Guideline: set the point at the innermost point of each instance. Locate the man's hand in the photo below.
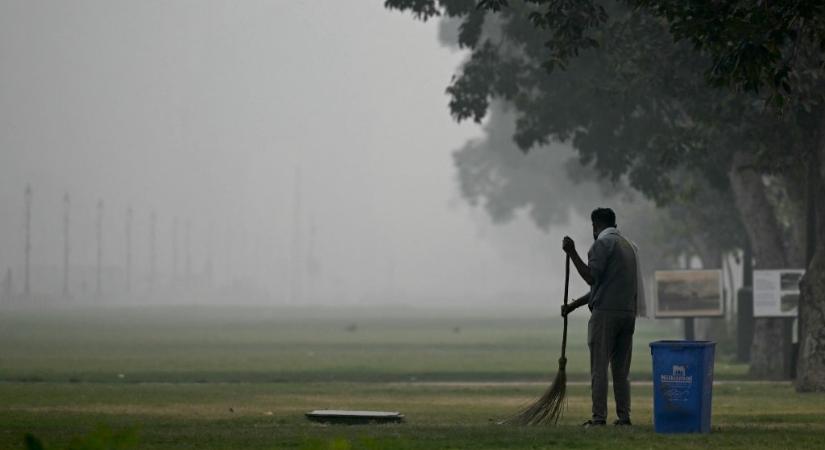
(572, 306)
(568, 245)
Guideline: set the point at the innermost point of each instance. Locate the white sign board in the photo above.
(689, 293)
(776, 292)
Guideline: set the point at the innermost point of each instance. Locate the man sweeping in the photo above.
(616, 297)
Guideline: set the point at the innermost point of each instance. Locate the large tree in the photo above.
(775, 48)
(627, 114)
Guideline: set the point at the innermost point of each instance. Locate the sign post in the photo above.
(689, 294)
(776, 294)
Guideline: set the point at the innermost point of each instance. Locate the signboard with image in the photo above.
(776, 292)
(689, 293)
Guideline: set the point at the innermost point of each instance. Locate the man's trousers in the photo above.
(610, 338)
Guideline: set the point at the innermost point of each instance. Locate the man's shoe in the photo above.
(622, 423)
(593, 424)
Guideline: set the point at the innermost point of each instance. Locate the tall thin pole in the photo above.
(174, 251)
(99, 235)
(8, 289)
(129, 249)
(209, 250)
(296, 266)
(188, 256)
(312, 266)
(229, 269)
(67, 206)
(152, 250)
(28, 244)
(310, 244)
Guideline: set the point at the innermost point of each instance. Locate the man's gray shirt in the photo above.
(612, 262)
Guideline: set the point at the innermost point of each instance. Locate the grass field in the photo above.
(209, 377)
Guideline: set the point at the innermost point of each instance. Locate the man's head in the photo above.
(602, 218)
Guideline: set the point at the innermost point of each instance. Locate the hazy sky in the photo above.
(222, 113)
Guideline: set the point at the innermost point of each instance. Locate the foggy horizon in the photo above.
(312, 162)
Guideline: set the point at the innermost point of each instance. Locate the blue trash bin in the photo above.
(682, 385)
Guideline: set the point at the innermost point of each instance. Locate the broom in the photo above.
(548, 408)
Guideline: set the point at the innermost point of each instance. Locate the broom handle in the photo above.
(566, 288)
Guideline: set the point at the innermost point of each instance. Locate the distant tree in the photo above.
(550, 184)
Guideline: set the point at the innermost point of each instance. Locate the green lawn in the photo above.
(211, 378)
(278, 345)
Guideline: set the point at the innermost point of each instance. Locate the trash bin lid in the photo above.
(681, 344)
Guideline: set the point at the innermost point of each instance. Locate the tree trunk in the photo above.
(810, 374)
(795, 183)
(768, 359)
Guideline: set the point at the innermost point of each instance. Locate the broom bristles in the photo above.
(549, 407)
